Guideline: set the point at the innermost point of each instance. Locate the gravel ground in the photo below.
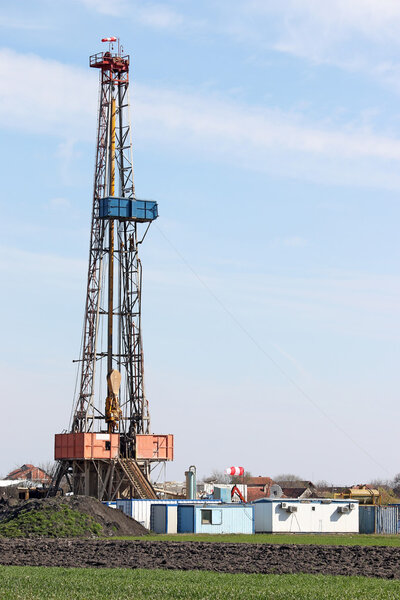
(371, 561)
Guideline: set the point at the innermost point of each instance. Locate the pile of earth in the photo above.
(68, 516)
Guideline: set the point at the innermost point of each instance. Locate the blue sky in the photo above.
(269, 134)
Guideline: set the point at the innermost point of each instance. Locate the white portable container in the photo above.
(306, 516)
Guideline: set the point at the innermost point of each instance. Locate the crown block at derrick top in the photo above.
(86, 445)
(109, 61)
(142, 211)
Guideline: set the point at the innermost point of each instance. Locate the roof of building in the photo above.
(21, 472)
(296, 484)
(292, 492)
(254, 494)
(332, 489)
(252, 481)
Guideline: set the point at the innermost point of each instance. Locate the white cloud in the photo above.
(53, 270)
(290, 241)
(295, 241)
(360, 35)
(345, 301)
(45, 96)
(113, 8)
(27, 24)
(59, 204)
(267, 140)
(158, 16)
(149, 14)
(308, 25)
(229, 122)
(357, 36)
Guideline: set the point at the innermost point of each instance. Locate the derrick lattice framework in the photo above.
(109, 450)
(113, 251)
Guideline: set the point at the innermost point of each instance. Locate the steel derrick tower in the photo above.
(109, 449)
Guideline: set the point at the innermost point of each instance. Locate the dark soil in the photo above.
(371, 561)
(112, 521)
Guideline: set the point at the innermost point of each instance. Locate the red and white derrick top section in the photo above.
(109, 61)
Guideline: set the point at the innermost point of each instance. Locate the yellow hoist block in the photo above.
(113, 411)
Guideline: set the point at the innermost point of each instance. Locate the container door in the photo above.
(158, 520)
(172, 519)
(185, 519)
(366, 517)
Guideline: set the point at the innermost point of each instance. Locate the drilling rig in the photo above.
(108, 451)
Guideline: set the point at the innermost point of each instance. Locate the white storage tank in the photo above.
(306, 516)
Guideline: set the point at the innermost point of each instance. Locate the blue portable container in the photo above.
(216, 518)
(224, 518)
(222, 493)
(113, 207)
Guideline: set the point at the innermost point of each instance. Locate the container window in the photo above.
(108, 445)
(211, 517)
(206, 517)
(217, 517)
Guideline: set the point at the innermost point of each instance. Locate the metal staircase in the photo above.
(137, 479)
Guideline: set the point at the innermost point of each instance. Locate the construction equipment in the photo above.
(235, 490)
(109, 451)
(365, 494)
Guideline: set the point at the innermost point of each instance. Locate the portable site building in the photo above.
(212, 518)
(140, 510)
(306, 516)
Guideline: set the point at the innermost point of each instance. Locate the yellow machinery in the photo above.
(362, 493)
(113, 411)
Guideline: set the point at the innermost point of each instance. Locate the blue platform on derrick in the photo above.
(130, 209)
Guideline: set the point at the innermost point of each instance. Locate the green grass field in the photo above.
(276, 538)
(37, 583)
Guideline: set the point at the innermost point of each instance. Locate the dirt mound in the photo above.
(113, 521)
(72, 516)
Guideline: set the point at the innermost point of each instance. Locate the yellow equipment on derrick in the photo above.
(113, 411)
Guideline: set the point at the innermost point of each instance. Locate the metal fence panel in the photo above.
(386, 519)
